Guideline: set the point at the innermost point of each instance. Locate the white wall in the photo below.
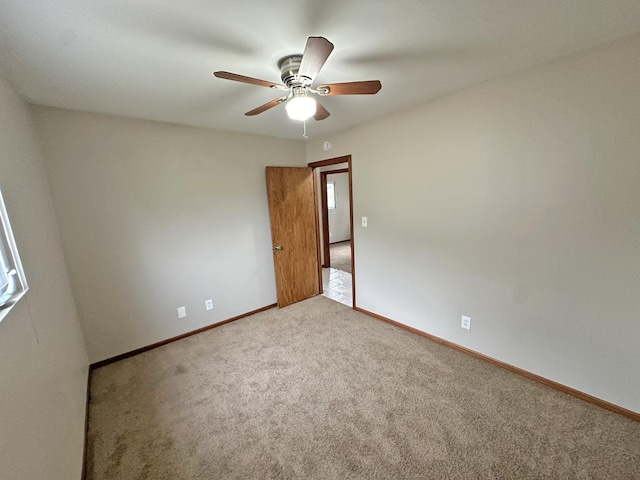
(339, 220)
(155, 216)
(43, 363)
(515, 202)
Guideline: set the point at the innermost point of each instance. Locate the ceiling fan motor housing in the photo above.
(289, 67)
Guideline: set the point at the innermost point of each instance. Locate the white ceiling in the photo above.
(154, 59)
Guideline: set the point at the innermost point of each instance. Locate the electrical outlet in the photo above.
(182, 312)
(208, 304)
(465, 322)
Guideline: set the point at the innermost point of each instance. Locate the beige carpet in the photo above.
(319, 391)
(341, 256)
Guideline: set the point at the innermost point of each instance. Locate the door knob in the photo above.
(278, 247)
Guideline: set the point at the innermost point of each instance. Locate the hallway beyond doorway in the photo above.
(340, 255)
(336, 285)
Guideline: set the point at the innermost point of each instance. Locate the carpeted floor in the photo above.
(319, 391)
(341, 256)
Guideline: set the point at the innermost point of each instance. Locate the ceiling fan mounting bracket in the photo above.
(289, 67)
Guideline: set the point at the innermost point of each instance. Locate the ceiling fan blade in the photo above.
(369, 87)
(321, 112)
(253, 81)
(266, 106)
(315, 54)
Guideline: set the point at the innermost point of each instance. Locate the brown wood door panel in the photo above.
(293, 227)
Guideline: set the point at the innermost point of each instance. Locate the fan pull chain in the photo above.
(304, 129)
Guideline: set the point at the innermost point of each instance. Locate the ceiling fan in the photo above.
(298, 72)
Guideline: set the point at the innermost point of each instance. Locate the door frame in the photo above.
(325, 232)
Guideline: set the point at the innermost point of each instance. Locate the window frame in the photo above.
(14, 284)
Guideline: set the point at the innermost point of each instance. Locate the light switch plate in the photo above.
(364, 221)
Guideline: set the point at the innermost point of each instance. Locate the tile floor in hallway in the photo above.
(337, 285)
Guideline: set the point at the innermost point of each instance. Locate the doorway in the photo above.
(335, 228)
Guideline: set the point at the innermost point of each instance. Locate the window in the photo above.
(331, 195)
(12, 281)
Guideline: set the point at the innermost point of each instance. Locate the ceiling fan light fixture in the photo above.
(301, 107)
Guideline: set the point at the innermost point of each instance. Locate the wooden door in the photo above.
(293, 233)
